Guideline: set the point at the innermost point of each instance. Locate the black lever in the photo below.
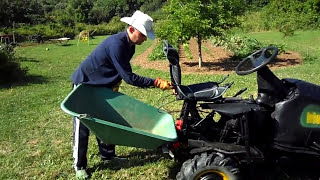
(240, 92)
(229, 84)
(222, 80)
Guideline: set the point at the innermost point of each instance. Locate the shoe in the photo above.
(82, 174)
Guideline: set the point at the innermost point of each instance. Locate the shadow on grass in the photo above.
(25, 59)
(59, 44)
(221, 65)
(136, 159)
(284, 171)
(29, 79)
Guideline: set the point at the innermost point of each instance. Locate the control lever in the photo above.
(222, 80)
(240, 92)
(229, 84)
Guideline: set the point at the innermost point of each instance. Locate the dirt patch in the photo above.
(216, 60)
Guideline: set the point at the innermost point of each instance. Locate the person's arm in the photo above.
(121, 61)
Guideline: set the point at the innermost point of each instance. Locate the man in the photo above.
(106, 66)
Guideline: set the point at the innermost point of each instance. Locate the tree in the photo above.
(151, 5)
(258, 3)
(198, 18)
(103, 10)
(80, 9)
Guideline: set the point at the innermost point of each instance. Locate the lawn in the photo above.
(36, 135)
(305, 42)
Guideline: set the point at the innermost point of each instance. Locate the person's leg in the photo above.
(107, 151)
(80, 144)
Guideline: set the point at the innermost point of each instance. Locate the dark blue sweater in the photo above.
(109, 63)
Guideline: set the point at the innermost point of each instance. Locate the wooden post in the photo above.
(13, 37)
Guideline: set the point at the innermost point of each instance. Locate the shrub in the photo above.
(157, 52)
(10, 70)
(241, 47)
(251, 22)
(289, 15)
(114, 26)
(56, 30)
(187, 50)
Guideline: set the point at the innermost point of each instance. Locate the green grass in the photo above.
(36, 135)
(304, 42)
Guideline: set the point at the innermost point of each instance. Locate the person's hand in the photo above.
(162, 84)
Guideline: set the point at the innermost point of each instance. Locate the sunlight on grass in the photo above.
(304, 42)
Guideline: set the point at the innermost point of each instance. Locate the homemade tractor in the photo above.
(232, 140)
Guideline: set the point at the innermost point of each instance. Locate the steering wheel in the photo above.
(259, 59)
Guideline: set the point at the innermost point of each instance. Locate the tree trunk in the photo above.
(199, 51)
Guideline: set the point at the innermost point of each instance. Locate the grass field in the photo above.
(36, 135)
(305, 42)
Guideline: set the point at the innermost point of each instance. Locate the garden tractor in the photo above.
(215, 137)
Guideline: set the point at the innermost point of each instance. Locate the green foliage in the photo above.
(46, 31)
(70, 12)
(287, 29)
(103, 10)
(79, 10)
(187, 50)
(157, 52)
(251, 22)
(199, 18)
(256, 4)
(10, 70)
(304, 42)
(63, 18)
(150, 6)
(241, 47)
(288, 16)
(55, 30)
(21, 11)
(114, 26)
(284, 16)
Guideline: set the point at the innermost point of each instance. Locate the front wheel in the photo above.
(214, 166)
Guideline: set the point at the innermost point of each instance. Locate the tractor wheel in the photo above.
(213, 166)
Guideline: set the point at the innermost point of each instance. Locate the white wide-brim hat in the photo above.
(142, 22)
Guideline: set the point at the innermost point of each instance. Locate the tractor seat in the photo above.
(200, 92)
(207, 91)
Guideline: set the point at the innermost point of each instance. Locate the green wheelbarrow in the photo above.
(118, 119)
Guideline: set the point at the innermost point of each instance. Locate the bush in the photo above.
(10, 70)
(241, 47)
(157, 52)
(56, 30)
(285, 16)
(289, 15)
(187, 50)
(115, 26)
(251, 22)
(46, 31)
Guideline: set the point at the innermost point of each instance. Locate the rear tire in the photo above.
(214, 166)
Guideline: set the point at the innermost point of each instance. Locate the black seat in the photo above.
(207, 91)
